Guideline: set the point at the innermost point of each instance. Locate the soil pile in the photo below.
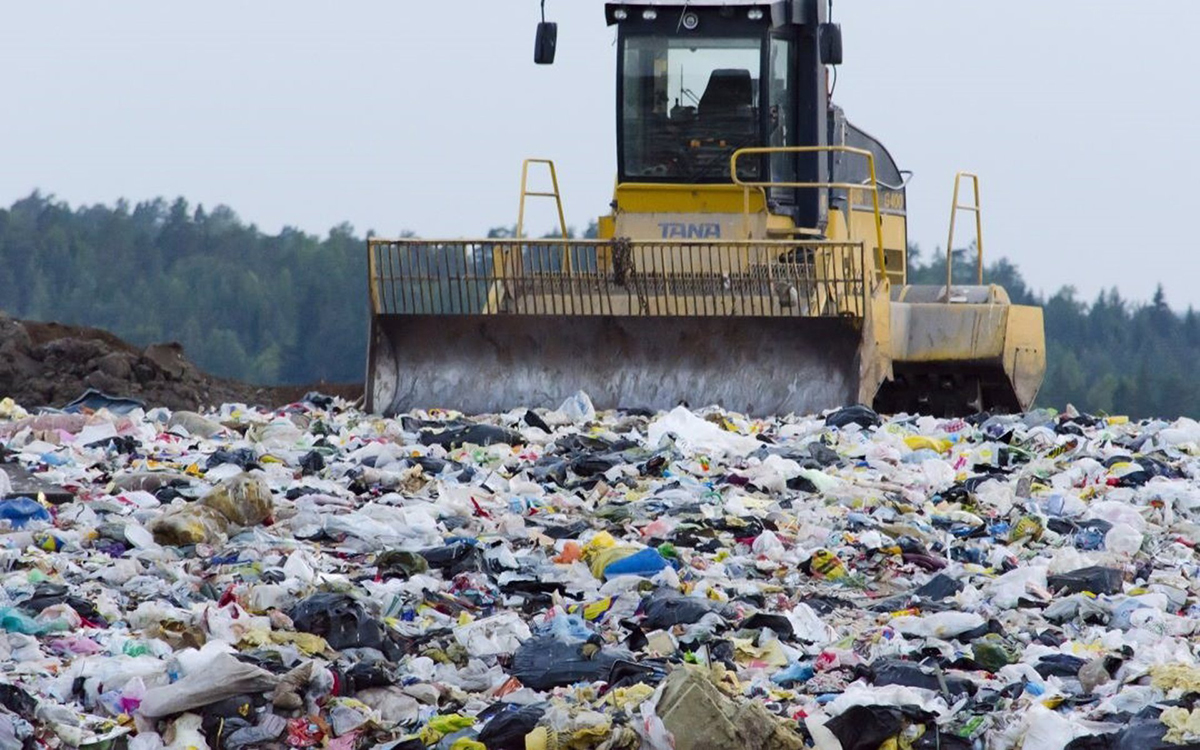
(50, 364)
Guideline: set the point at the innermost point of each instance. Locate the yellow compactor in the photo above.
(755, 256)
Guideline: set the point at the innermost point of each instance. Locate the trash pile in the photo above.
(313, 576)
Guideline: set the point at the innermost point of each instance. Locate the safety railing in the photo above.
(976, 209)
(872, 185)
(771, 278)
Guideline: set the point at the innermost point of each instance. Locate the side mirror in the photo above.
(830, 37)
(546, 44)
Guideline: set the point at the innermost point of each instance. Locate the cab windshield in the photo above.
(688, 104)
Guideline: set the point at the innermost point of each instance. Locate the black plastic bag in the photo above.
(455, 559)
(911, 674)
(781, 625)
(866, 727)
(243, 457)
(666, 608)
(823, 454)
(939, 587)
(49, 594)
(506, 729)
(546, 662)
(476, 434)
(1096, 579)
(1059, 665)
(340, 620)
(533, 420)
(312, 462)
(863, 416)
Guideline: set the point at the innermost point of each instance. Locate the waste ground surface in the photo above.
(312, 576)
(301, 574)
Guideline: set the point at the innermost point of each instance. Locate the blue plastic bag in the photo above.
(645, 563)
(21, 510)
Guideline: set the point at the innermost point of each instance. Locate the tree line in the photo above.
(291, 308)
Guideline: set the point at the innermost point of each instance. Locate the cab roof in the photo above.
(778, 7)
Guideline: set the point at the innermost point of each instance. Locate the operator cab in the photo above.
(697, 81)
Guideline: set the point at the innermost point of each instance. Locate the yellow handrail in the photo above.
(562, 219)
(872, 185)
(977, 209)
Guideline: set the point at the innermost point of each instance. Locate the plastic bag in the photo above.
(340, 620)
(500, 634)
(939, 624)
(188, 525)
(863, 416)
(666, 608)
(1094, 580)
(245, 500)
(269, 727)
(13, 620)
(910, 674)
(545, 662)
(1123, 539)
(644, 563)
(866, 727)
(506, 730)
(578, 408)
(185, 733)
(699, 436)
(195, 424)
(224, 677)
(19, 511)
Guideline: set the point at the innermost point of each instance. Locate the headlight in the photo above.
(691, 21)
(650, 15)
(755, 14)
(620, 14)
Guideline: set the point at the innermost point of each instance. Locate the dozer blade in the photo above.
(491, 363)
(764, 327)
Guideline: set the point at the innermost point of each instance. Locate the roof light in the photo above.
(755, 14)
(650, 15)
(691, 21)
(620, 14)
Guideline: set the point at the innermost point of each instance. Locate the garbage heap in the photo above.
(314, 576)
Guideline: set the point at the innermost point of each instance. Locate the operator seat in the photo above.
(726, 110)
(730, 91)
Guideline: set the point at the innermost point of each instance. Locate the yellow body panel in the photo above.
(862, 228)
(939, 332)
(1025, 351)
(647, 198)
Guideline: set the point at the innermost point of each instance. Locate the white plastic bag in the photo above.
(501, 634)
(699, 436)
(578, 408)
(941, 625)
(1123, 539)
(224, 678)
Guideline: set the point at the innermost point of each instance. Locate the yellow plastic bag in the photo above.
(244, 499)
(194, 524)
(918, 442)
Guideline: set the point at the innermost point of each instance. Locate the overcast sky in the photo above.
(1081, 116)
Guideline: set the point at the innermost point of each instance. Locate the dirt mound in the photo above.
(50, 364)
